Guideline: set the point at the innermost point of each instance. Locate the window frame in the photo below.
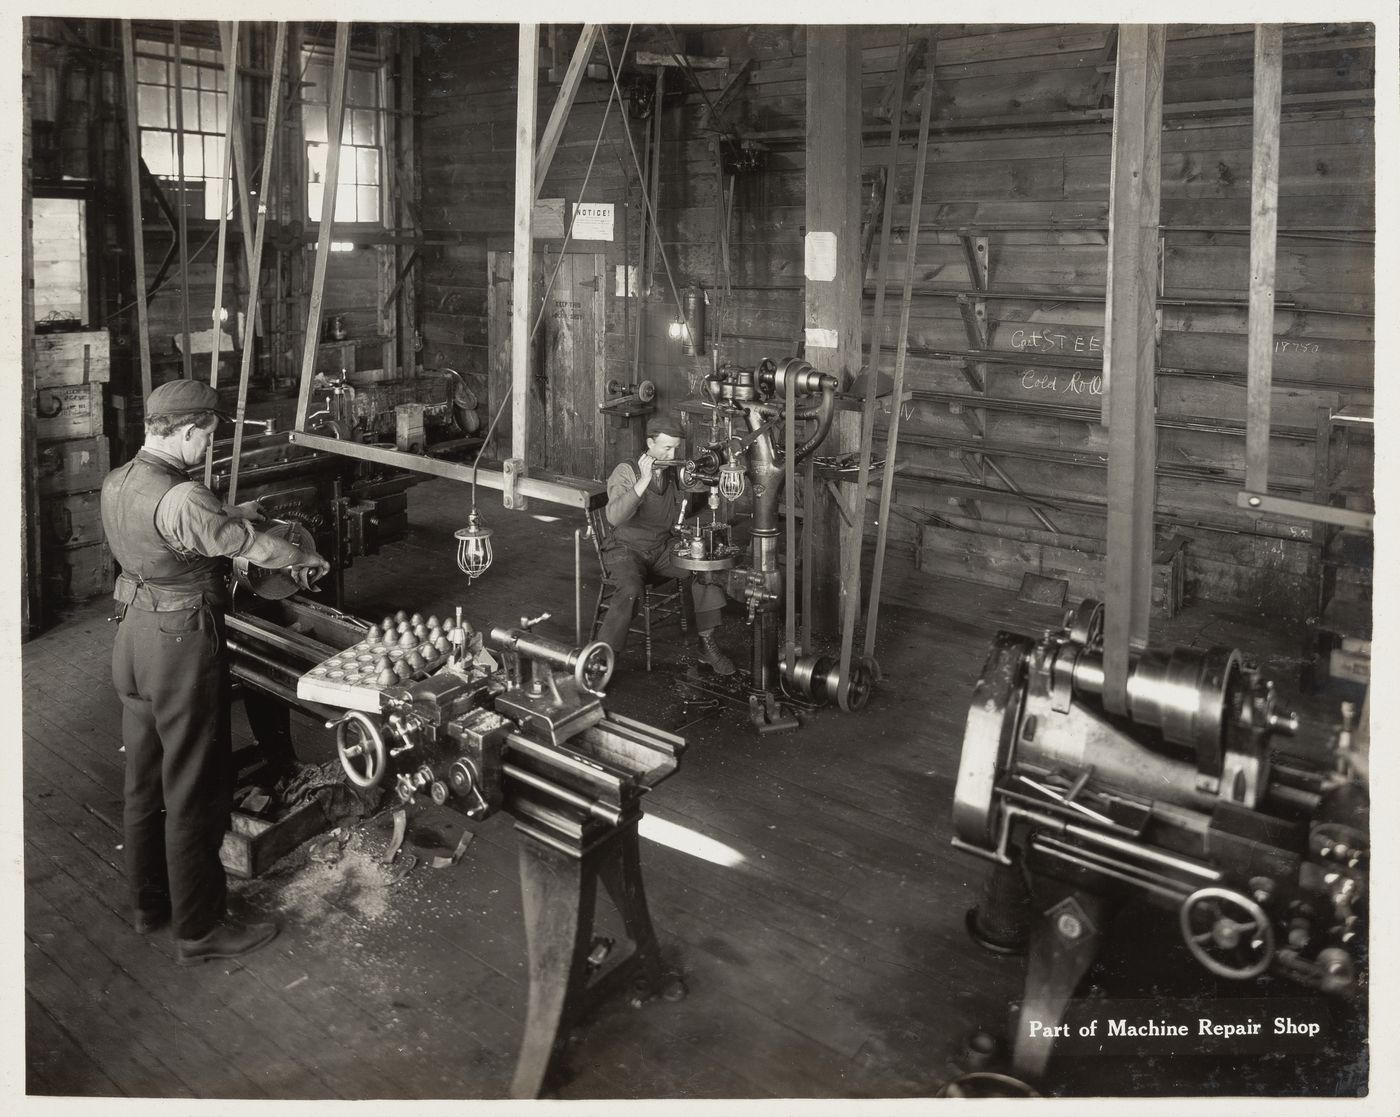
(206, 58)
(356, 116)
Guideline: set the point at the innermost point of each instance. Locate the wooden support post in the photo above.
(274, 101)
(658, 99)
(237, 140)
(138, 233)
(559, 115)
(832, 314)
(292, 200)
(1263, 244)
(182, 219)
(335, 117)
(1130, 350)
(31, 555)
(386, 256)
(526, 103)
(230, 52)
(649, 144)
(406, 306)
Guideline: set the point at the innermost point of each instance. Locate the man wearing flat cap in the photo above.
(644, 503)
(174, 540)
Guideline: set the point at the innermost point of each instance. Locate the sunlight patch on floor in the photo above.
(686, 840)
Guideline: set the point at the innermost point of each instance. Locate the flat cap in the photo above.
(664, 424)
(183, 397)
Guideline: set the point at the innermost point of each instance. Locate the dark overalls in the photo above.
(168, 669)
(640, 548)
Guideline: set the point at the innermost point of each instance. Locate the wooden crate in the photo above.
(77, 573)
(71, 411)
(76, 358)
(408, 428)
(71, 519)
(73, 466)
(251, 844)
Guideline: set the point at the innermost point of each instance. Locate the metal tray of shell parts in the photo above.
(355, 679)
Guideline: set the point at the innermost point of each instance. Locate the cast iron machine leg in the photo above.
(1064, 942)
(559, 886)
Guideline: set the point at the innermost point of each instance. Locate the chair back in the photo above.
(599, 530)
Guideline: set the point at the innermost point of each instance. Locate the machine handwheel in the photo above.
(646, 391)
(858, 686)
(594, 667)
(360, 744)
(1227, 932)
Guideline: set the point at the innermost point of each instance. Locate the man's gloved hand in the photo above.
(249, 510)
(307, 574)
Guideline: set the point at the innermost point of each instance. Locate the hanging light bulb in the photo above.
(731, 480)
(473, 548)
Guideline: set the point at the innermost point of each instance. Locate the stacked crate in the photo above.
(71, 372)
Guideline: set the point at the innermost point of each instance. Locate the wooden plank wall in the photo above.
(1020, 156)
(466, 82)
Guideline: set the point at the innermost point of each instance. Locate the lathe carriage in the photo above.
(510, 720)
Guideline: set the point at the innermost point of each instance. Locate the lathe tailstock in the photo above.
(1188, 801)
(510, 721)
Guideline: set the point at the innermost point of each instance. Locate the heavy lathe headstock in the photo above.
(1188, 802)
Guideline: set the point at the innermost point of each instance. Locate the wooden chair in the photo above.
(662, 598)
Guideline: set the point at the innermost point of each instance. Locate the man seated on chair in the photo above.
(644, 504)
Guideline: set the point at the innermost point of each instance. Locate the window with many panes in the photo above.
(205, 109)
(358, 181)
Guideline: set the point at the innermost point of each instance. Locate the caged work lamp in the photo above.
(473, 547)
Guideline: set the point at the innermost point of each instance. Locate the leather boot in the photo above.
(227, 940)
(710, 653)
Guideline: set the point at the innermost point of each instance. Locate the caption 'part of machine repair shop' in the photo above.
(678, 561)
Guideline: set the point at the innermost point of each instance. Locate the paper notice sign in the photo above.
(593, 221)
(819, 262)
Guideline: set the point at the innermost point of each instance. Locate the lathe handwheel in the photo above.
(1237, 926)
(594, 667)
(363, 758)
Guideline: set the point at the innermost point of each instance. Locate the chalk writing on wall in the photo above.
(1057, 341)
(1054, 341)
(1065, 381)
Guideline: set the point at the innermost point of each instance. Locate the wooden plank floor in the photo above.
(803, 884)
